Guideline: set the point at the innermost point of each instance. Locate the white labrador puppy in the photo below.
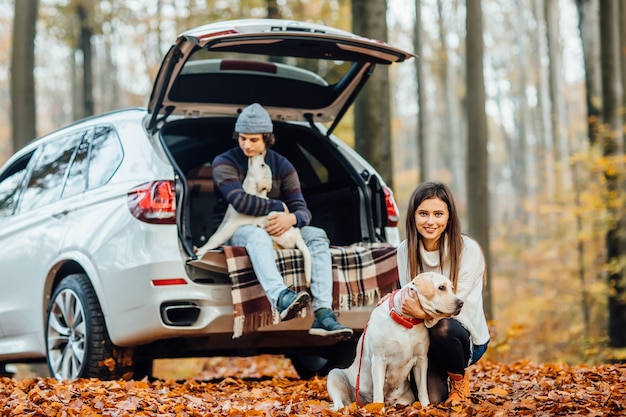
(393, 344)
(258, 181)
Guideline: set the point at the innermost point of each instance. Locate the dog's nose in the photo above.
(459, 305)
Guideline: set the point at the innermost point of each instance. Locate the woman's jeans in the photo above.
(259, 246)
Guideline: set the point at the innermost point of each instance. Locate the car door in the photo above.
(204, 73)
(31, 236)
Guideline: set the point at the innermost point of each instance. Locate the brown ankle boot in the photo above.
(459, 390)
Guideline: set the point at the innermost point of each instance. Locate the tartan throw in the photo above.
(361, 275)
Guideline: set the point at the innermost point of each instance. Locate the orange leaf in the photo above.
(375, 407)
(500, 392)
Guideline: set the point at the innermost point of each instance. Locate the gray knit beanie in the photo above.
(254, 119)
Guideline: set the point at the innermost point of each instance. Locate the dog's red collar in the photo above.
(400, 318)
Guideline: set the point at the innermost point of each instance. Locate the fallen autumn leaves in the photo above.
(497, 390)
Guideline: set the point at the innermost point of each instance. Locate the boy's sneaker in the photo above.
(290, 303)
(326, 324)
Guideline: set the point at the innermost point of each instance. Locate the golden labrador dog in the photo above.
(395, 343)
(258, 182)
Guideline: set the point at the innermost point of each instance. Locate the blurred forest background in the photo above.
(552, 148)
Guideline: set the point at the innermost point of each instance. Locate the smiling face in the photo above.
(431, 220)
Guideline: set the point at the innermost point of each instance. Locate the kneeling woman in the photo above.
(434, 242)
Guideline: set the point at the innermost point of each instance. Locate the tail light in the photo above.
(153, 202)
(393, 214)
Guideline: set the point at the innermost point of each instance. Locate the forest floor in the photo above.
(268, 386)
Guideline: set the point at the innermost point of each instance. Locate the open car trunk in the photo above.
(336, 195)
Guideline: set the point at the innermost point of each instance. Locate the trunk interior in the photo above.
(335, 194)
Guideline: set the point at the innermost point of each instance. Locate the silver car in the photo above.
(98, 220)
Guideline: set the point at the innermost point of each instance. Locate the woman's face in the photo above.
(431, 219)
(251, 144)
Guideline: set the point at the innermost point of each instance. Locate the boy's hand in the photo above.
(279, 222)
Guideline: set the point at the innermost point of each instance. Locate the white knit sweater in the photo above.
(469, 287)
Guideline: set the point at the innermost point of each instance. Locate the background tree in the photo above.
(422, 145)
(613, 145)
(559, 141)
(84, 13)
(622, 40)
(372, 116)
(451, 138)
(477, 164)
(23, 109)
(588, 25)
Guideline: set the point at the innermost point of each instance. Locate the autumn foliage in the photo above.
(496, 390)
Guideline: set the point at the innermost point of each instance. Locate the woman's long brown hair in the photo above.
(450, 242)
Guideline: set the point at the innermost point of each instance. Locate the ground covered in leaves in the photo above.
(496, 390)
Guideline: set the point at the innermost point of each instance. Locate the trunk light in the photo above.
(392, 208)
(153, 202)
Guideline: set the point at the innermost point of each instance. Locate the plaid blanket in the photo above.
(361, 274)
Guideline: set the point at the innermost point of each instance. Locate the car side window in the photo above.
(46, 181)
(97, 158)
(11, 184)
(105, 156)
(76, 181)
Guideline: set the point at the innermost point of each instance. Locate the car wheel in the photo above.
(77, 342)
(340, 355)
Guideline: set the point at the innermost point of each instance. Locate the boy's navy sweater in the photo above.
(230, 169)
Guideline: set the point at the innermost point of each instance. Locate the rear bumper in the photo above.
(210, 307)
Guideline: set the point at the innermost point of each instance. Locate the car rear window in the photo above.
(209, 77)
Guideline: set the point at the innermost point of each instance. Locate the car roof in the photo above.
(219, 68)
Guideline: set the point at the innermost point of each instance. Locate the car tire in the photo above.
(340, 355)
(77, 342)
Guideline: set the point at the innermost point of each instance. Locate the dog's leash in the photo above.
(358, 374)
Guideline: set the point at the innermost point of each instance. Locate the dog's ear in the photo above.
(425, 285)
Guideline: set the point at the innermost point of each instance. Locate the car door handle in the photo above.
(61, 214)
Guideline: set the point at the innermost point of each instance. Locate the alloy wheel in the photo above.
(66, 335)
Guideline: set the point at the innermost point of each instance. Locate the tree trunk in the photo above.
(451, 138)
(613, 147)
(273, 12)
(423, 145)
(23, 115)
(613, 150)
(622, 35)
(545, 163)
(588, 26)
(560, 145)
(86, 33)
(477, 165)
(372, 115)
